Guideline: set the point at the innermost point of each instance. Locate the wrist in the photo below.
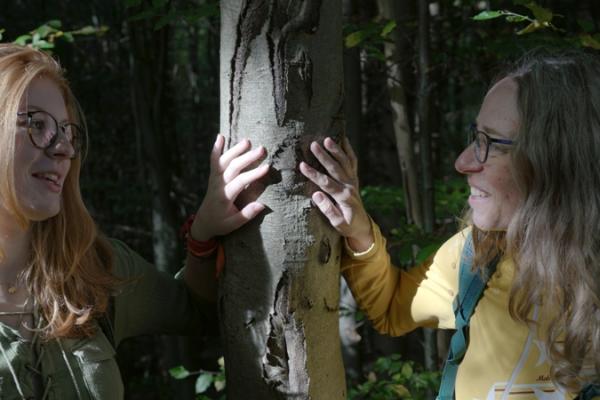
(361, 242)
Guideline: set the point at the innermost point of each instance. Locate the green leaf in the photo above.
(407, 370)
(532, 27)
(354, 39)
(586, 25)
(1, 32)
(516, 18)
(588, 40)
(54, 23)
(44, 30)
(389, 27)
(203, 382)
(179, 372)
(485, 15)
(22, 40)
(219, 384)
(426, 252)
(540, 13)
(68, 37)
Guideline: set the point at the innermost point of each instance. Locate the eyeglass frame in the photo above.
(473, 132)
(77, 145)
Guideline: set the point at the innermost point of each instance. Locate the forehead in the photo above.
(499, 113)
(44, 94)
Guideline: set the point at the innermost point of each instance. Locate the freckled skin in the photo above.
(499, 118)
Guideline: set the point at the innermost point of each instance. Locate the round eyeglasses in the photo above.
(43, 129)
(483, 142)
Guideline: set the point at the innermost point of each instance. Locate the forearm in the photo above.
(200, 276)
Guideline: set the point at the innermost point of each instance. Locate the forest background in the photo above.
(147, 76)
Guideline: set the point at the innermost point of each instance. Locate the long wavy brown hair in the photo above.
(554, 236)
(69, 274)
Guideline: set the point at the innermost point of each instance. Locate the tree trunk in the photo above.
(429, 338)
(404, 144)
(281, 87)
(424, 123)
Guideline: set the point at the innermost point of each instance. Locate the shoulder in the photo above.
(127, 262)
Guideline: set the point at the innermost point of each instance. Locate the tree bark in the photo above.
(424, 102)
(389, 9)
(281, 87)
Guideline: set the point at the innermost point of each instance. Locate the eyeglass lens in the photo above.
(44, 129)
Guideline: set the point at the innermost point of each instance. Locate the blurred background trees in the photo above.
(146, 74)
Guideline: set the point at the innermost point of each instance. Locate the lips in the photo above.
(52, 179)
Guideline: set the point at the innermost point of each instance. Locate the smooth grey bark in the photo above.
(390, 9)
(281, 87)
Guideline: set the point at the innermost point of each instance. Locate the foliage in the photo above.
(369, 36)
(393, 378)
(542, 19)
(410, 245)
(205, 379)
(163, 13)
(45, 36)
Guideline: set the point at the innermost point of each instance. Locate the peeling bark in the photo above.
(281, 87)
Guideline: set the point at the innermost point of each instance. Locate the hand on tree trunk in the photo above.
(343, 207)
(218, 213)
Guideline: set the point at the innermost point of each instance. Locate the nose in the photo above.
(61, 148)
(466, 163)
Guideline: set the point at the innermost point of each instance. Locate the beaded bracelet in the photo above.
(202, 248)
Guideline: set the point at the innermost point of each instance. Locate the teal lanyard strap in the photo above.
(470, 288)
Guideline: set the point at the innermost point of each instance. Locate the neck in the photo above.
(14, 247)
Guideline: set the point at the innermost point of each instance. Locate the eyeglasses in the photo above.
(483, 141)
(43, 130)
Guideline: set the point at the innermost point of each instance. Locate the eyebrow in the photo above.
(493, 132)
(36, 108)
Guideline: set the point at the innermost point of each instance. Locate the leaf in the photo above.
(426, 252)
(389, 27)
(401, 391)
(587, 40)
(221, 362)
(1, 32)
(354, 39)
(219, 384)
(485, 15)
(179, 372)
(54, 23)
(407, 370)
(68, 37)
(516, 18)
(43, 31)
(22, 40)
(586, 25)
(532, 27)
(203, 382)
(540, 13)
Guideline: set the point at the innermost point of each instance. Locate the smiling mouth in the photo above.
(51, 179)
(478, 193)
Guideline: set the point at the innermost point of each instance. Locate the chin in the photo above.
(39, 214)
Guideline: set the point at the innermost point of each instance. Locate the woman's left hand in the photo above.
(218, 215)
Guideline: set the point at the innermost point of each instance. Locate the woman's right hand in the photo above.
(218, 214)
(339, 199)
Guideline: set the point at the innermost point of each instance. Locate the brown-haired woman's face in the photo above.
(494, 195)
(41, 173)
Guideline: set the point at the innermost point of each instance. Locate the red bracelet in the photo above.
(202, 248)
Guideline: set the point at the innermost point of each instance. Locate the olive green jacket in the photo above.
(82, 369)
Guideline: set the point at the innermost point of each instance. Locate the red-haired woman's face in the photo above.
(40, 174)
(494, 195)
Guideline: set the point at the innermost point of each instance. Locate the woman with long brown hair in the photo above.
(532, 167)
(58, 325)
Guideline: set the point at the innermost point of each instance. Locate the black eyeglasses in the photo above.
(43, 130)
(483, 141)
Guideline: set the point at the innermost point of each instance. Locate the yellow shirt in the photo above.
(504, 360)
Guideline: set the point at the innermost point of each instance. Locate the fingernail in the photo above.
(318, 198)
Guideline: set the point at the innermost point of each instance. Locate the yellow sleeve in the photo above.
(398, 301)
